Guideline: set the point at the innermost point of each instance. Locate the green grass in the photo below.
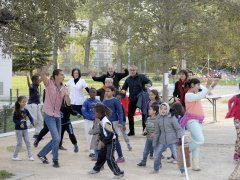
(5, 174)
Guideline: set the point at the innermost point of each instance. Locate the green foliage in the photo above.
(5, 174)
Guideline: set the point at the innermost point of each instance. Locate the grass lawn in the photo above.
(5, 174)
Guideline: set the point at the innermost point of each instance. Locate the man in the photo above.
(136, 84)
(111, 74)
(34, 105)
(55, 93)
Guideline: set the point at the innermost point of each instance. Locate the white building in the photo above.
(5, 75)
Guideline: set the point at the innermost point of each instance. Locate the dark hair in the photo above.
(190, 72)
(112, 88)
(155, 92)
(92, 89)
(193, 81)
(34, 78)
(56, 72)
(18, 108)
(102, 109)
(177, 109)
(155, 107)
(183, 71)
(79, 72)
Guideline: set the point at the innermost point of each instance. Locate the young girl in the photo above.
(116, 117)
(194, 116)
(234, 112)
(167, 133)
(20, 119)
(150, 128)
(154, 98)
(108, 138)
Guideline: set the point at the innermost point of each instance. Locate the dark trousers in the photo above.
(77, 108)
(131, 111)
(68, 127)
(106, 154)
(43, 132)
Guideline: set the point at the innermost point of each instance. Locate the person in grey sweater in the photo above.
(149, 131)
(167, 134)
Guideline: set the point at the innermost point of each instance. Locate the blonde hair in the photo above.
(109, 80)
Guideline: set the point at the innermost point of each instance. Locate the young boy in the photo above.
(34, 106)
(89, 117)
(149, 131)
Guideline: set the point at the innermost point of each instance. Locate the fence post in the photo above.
(17, 92)
(10, 96)
(4, 119)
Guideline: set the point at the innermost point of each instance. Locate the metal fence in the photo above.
(6, 119)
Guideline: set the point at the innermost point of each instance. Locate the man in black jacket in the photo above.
(136, 84)
(112, 74)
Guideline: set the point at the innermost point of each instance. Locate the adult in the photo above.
(136, 84)
(77, 85)
(112, 74)
(181, 87)
(194, 116)
(34, 105)
(55, 93)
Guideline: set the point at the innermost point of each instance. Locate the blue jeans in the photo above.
(147, 149)
(119, 149)
(158, 154)
(195, 129)
(54, 126)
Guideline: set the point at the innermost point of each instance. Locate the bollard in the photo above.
(4, 120)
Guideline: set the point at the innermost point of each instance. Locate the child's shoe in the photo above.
(129, 147)
(154, 172)
(31, 158)
(16, 159)
(120, 160)
(62, 148)
(141, 164)
(172, 160)
(75, 148)
(119, 176)
(93, 172)
(151, 156)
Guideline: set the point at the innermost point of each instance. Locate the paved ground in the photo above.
(216, 156)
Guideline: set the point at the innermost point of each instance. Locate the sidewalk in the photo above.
(216, 156)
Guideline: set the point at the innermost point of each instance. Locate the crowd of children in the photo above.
(105, 123)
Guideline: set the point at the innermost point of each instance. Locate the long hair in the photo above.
(17, 108)
(183, 71)
(155, 92)
(177, 109)
(102, 110)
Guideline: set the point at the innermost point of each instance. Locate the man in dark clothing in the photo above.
(136, 84)
(112, 74)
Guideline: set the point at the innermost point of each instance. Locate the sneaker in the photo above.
(153, 172)
(102, 168)
(55, 164)
(62, 148)
(35, 136)
(173, 161)
(93, 172)
(151, 157)
(129, 147)
(131, 134)
(75, 148)
(119, 176)
(91, 155)
(43, 159)
(35, 144)
(94, 159)
(120, 160)
(31, 159)
(16, 159)
(141, 164)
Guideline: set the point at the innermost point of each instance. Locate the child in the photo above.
(234, 111)
(21, 129)
(66, 111)
(150, 128)
(34, 105)
(95, 132)
(116, 117)
(88, 114)
(167, 133)
(101, 92)
(154, 98)
(108, 138)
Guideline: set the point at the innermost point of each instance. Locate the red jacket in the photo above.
(233, 108)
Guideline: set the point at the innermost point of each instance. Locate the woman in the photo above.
(194, 116)
(76, 90)
(181, 87)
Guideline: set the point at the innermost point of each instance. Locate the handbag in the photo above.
(180, 156)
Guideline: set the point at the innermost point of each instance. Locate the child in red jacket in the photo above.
(234, 111)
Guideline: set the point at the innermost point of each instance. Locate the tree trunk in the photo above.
(88, 43)
(55, 44)
(119, 57)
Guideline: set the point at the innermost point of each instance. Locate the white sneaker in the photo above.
(16, 159)
(31, 159)
(173, 161)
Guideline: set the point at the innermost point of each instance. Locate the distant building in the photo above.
(6, 75)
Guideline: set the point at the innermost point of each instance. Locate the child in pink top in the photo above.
(234, 112)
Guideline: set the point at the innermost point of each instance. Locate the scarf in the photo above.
(183, 90)
(76, 80)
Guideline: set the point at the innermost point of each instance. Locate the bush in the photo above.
(5, 174)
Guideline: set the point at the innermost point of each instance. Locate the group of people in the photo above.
(105, 117)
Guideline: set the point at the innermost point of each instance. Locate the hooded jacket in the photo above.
(167, 129)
